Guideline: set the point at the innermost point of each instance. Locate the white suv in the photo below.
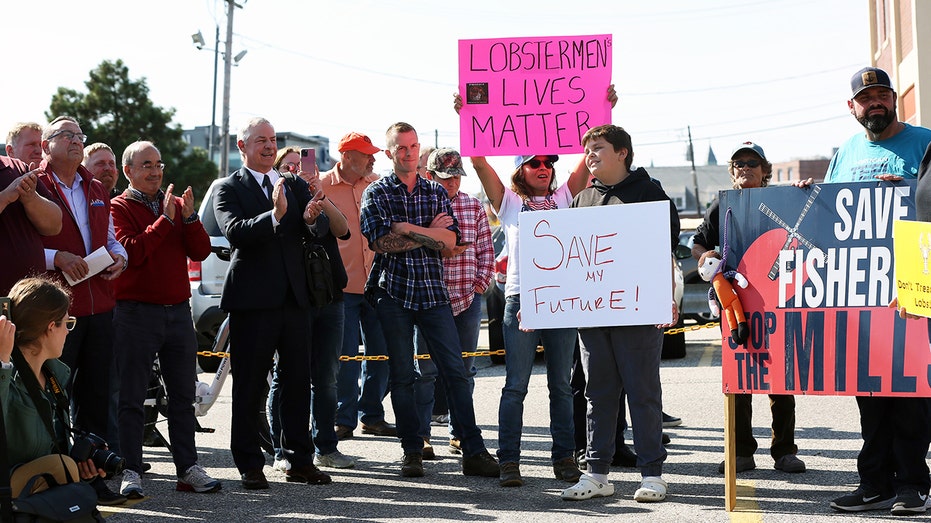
(207, 279)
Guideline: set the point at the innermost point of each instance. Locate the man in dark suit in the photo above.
(266, 294)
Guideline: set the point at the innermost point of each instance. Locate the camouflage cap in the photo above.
(445, 163)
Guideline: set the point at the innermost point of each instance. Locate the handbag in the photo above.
(319, 274)
(48, 489)
(67, 502)
(317, 268)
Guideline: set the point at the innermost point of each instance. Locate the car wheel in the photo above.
(208, 363)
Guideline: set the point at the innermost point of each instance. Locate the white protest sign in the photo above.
(596, 266)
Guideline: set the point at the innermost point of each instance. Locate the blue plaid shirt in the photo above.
(413, 278)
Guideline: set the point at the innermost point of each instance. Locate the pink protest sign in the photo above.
(534, 95)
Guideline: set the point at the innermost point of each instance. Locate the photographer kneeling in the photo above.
(30, 369)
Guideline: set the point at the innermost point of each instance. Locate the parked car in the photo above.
(695, 303)
(207, 279)
(494, 295)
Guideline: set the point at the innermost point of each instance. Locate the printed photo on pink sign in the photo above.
(533, 95)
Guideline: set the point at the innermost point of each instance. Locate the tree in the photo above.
(117, 111)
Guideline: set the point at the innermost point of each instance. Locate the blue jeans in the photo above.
(142, 331)
(439, 328)
(468, 326)
(327, 326)
(520, 348)
(374, 374)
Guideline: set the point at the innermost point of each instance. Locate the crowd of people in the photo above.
(409, 255)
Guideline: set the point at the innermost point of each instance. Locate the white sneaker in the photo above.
(652, 489)
(587, 488)
(131, 487)
(282, 464)
(195, 479)
(335, 459)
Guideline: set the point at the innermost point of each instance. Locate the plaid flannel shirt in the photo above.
(414, 278)
(470, 272)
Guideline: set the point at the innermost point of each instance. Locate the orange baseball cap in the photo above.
(357, 142)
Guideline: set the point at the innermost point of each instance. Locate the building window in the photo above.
(789, 174)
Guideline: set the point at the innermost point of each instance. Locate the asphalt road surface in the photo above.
(827, 434)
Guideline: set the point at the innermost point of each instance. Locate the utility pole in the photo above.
(212, 142)
(694, 174)
(227, 69)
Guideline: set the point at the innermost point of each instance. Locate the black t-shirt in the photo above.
(923, 191)
(707, 234)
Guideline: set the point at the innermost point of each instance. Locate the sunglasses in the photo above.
(535, 164)
(70, 323)
(753, 164)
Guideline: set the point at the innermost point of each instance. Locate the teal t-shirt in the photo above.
(860, 159)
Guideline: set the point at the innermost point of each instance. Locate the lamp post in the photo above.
(222, 149)
(199, 42)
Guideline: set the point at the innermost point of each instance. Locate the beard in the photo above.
(877, 123)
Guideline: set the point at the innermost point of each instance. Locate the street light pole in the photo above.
(212, 142)
(227, 69)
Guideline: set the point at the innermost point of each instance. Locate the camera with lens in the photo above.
(91, 446)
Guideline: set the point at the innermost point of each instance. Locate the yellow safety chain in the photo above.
(713, 324)
(679, 330)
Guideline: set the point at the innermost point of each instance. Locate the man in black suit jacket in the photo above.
(266, 295)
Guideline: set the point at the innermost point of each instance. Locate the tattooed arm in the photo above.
(406, 237)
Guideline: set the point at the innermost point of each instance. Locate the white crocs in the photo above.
(588, 488)
(652, 489)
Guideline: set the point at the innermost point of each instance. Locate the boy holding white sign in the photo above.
(622, 357)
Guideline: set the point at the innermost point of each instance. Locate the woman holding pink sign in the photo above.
(533, 188)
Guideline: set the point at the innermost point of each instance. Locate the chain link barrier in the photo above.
(500, 352)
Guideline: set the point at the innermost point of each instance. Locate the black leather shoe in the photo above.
(308, 474)
(254, 480)
(105, 496)
(624, 457)
(343, 432)
(412, 466)
(380, 428)
(481, 464)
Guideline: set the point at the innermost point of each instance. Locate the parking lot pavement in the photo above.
(827, 435)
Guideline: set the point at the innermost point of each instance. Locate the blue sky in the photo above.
(775, 72)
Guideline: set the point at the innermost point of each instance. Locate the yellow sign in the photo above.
(912, 244)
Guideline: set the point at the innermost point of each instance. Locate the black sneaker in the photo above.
(624, 457)
(863, 499)
(909, 502)
(671, 421)
(481, 464)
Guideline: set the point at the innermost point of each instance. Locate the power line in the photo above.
(749, 131)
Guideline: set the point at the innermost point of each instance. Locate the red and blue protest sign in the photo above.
(821, 273)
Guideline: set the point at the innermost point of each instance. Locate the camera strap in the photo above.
(39, 399)
(42, 406)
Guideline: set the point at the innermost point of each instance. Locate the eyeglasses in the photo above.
(148, 166)
(535, 164)
(740, 164)
(70, 323)
(69, 135)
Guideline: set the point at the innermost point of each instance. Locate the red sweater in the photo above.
(95, 294)
(158, 251)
